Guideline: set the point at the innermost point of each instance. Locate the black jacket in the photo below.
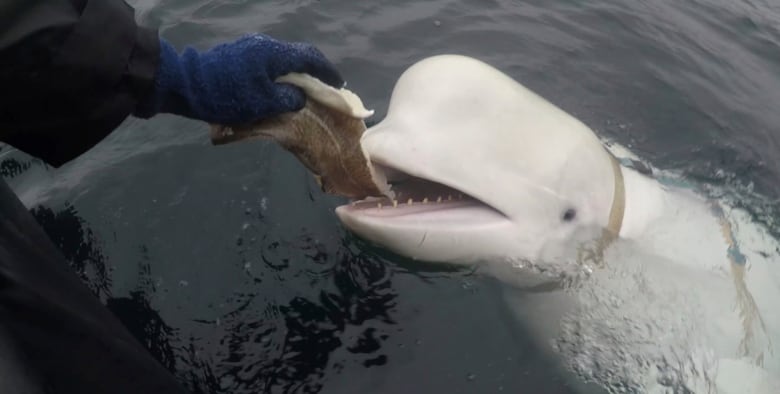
(70, 72)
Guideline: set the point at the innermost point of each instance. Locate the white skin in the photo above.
(535, 183)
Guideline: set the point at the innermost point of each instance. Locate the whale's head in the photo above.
(482, 168)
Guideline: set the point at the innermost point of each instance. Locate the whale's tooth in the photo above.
(409, 201)
(425, 200)
(395, 203)
(438, 199)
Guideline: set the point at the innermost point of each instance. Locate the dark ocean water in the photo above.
(230, 265)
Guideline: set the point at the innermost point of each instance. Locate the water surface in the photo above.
(230, 265)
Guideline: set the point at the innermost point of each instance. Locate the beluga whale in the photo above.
(631, 278)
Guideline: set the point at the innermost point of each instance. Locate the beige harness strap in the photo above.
(611, 231)
(752, 322)
(746, 304)
(618, 199)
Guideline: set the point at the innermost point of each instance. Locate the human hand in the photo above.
(233, 83)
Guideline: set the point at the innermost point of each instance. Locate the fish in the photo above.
(324, 136)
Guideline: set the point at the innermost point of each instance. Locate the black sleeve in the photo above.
(70, 72)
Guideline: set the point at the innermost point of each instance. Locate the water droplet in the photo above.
(437, 23)
(183, 283)
(245, 226)
(469, 286)
(248, 211)
(470, 377)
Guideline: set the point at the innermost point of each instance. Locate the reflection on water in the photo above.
(10, 168)
(286, 348)
(266, 356)
(146, 325)
(77, 242)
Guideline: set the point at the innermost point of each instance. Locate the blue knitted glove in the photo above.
(233, 83)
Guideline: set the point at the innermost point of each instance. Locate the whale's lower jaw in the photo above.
(417, 198)
(427, 220)
(422, 204)
(421, 213)
(459, 232)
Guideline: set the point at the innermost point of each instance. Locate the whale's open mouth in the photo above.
(416, 198)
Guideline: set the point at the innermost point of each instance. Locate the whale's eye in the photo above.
(569, 215)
